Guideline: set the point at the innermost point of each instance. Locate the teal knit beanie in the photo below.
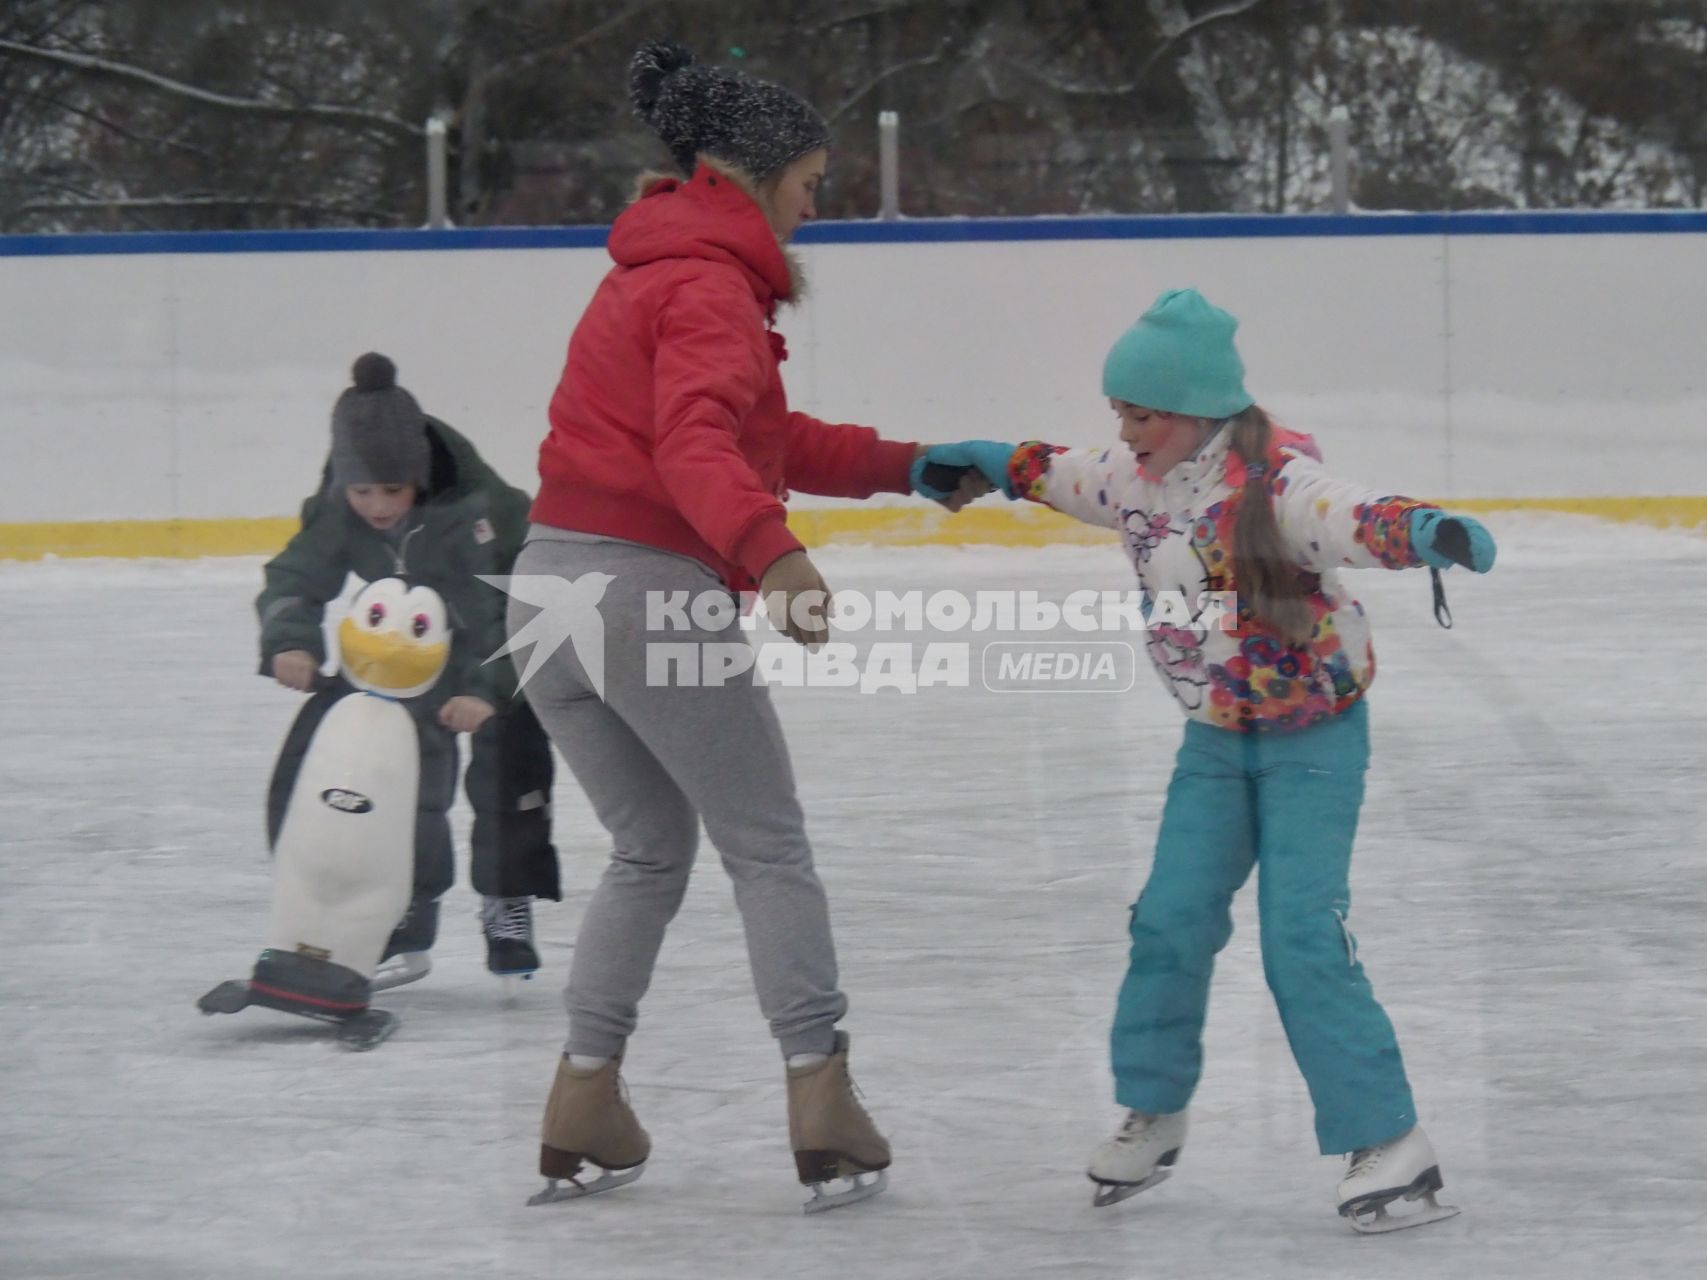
(1179, 358)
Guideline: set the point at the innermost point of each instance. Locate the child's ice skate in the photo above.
(588, 1121)
(405, 958)
(1402, 1168)
(508, 926)
(832, 1136)
(402, 969)
(1139, 1155)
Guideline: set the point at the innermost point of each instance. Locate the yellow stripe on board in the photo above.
(1664, 513)
(1004, 526)
(1028, 525)
(140, 538)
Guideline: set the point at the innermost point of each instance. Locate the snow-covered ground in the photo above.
(1530, 885)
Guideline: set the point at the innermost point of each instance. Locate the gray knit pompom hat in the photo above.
(752, 124)
(379, 434)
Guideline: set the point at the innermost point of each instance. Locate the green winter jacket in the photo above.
(468, 522)
(459, 470)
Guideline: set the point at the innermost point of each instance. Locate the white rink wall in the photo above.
(1444, 357)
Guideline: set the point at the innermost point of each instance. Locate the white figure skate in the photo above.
(1139, 1155)
(1402, 1169)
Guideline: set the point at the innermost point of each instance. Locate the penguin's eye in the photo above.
(423, 612)
(381, 605)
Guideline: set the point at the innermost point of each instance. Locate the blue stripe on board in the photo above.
(1249, 226)
(905, 231)
(304, 241)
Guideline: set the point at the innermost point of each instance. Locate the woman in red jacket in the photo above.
(671, 450)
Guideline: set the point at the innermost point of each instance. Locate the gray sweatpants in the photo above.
(656, 760)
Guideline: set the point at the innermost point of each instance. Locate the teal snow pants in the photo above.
(1285, 802)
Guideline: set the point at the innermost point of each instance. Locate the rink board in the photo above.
(1545, 359)
(888, 526)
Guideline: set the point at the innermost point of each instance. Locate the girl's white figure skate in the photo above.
(1140, 1154)
(1402, 1169)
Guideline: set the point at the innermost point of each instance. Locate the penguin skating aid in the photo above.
(344, 859)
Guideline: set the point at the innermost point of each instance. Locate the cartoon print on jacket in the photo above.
(1176, 650)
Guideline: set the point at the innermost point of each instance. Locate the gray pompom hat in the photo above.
(752, 124)
(379, 434)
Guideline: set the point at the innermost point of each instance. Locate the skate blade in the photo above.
(510, 986)
(1378, 1222)
(1108, 1193)
(366, 1030)
(400, 970)
(860, 1186)
(569, 1189)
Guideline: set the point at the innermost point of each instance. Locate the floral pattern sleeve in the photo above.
(1076, 482)
(1330, 523)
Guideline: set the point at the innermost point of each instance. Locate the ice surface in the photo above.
(1531, 886)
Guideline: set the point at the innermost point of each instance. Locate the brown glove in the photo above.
(296, 669)
(797, 599)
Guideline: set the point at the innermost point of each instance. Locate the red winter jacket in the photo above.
(669, 426)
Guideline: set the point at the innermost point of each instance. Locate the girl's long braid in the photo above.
(1267, 577)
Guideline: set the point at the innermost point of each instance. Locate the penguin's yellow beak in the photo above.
(388, 661)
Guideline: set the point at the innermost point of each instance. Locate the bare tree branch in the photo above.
(848, 103)
(526, 61)
(128, 135)
(51, 183)
(1013, 106)
(1179, 25)
(1175, 25)
(881, 8)
(127, 203)
(107, 69)
(1073, 86)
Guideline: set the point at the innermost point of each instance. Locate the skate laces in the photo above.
(508, 918)
(1136, 1127)
(1364, 1159)
(855, 1093)
(618, 1086)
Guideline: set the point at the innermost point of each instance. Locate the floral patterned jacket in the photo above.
(1235, 672)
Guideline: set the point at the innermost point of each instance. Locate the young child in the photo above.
(404, 493)
(1271, 771)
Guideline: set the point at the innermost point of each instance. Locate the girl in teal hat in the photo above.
(1216, 502)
